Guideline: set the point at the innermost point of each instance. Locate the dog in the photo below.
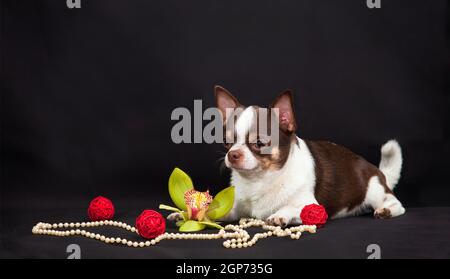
(297, 172)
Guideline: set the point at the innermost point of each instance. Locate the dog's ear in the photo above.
(285, 105)
(224, 100)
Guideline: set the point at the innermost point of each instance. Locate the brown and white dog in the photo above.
(276, 186)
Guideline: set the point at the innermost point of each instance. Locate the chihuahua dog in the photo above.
(275, 186)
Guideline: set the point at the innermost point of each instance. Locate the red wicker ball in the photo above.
(100, 209)
(314, 214)
(150, 224)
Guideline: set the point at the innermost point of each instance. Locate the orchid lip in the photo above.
(197, 204)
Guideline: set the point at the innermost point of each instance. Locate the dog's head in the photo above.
(257, 139)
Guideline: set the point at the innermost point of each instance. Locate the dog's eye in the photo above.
(259, 144)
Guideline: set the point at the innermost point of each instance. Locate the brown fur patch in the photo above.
(342, 176)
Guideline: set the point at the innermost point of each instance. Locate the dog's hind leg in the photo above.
(383, 201)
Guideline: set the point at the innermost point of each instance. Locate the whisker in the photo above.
(221, 161)
(222, 167)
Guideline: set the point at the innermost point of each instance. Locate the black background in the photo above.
(87, 93)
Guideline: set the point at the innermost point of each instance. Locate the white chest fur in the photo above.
(260, 195)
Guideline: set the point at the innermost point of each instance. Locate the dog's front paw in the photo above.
(277, 220)
(176, 216)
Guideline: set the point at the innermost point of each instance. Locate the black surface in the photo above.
(420, 233)
(86, 98)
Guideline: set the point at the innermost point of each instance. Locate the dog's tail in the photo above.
(391, 162)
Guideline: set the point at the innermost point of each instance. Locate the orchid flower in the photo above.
(198, 209)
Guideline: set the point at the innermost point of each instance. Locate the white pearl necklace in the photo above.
(238, 238)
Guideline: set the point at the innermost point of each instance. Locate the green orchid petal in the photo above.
(180, 223)
(212, 224)
(179, 183)
(171, 208)
(222, 204)
(192, 226)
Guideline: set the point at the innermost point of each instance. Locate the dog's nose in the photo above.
(234, 156)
